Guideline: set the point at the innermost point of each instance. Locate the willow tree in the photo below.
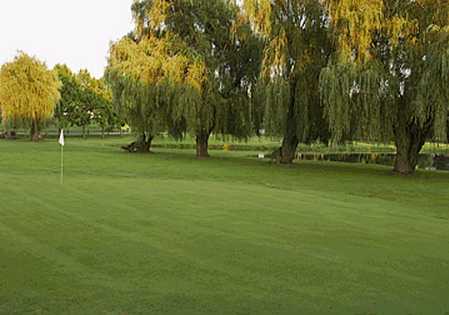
(28, 92)
(298, 48)
(213, 33)
(389, 77)
(149, 77)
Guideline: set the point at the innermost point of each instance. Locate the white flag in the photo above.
(61, 138)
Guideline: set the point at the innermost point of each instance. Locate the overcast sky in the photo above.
(75, 32)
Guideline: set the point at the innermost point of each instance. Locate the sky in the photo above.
(74, 32)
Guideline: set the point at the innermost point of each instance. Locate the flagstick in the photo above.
(62, 165)
(62, 143)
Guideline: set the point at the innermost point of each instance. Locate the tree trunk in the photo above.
(289, 146)
(84, 132)
(409, 142)
(35, 131)
(11, 135)
(202, 145)
(141, 145)
(290, 141)
(146, 147)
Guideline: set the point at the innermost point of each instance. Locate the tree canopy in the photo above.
(308, 70)
(29, 92)
(189, 62)
(152, 78)
(389, 77)
(297, 48)
(378, 68)
(84, 100)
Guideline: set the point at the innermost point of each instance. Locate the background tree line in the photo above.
(32, 96)
(306, 70)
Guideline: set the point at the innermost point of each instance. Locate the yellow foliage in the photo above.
(259, 14)
(158, 13)
(154, 16)
(28, 90)
(275, 57)
(97, 86)
(197, 75)
(153, 61)
(399, 27)
(355, 21)
(240, 21)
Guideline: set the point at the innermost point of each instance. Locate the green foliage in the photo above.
(85, 100)
(151, 80)
(297, 48)
(388, 79)
(216, 45)
(404, 77)
(71, 97)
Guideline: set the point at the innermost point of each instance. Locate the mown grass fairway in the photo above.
(167, 234)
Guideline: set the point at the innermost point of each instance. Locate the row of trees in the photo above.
(380, 69)
(332, 70)
(307, 70)
(189, 66)
(31, 95)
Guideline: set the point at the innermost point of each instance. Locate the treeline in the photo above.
(306, 70)
(32, 96)
(329, 70)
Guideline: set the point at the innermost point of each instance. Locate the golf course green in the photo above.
(165, 233)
